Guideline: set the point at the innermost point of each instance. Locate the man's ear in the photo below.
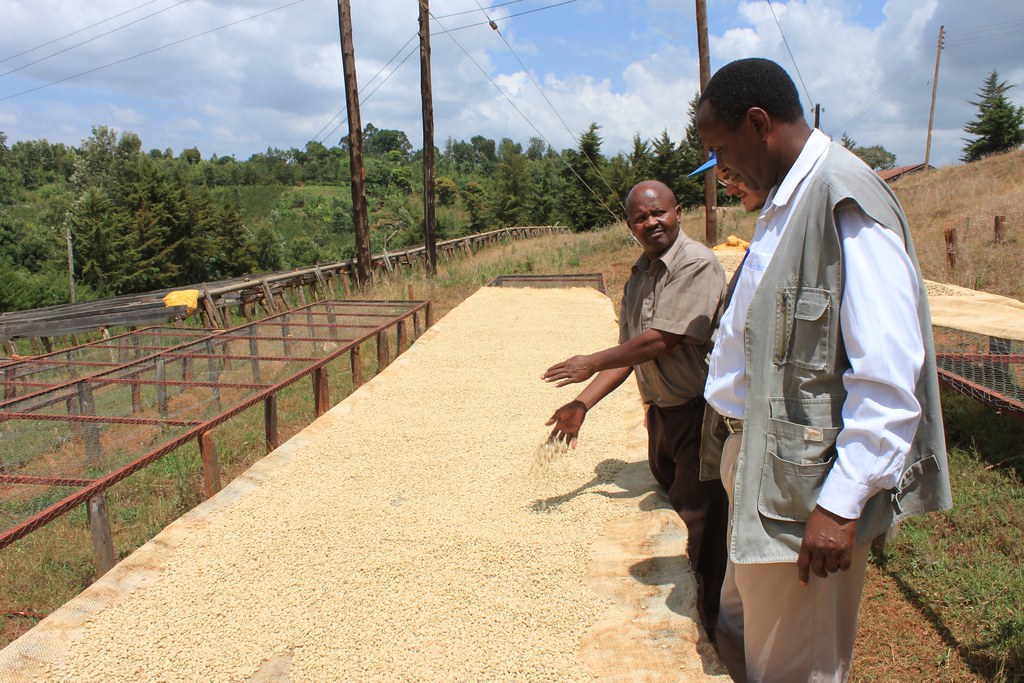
(761, 121)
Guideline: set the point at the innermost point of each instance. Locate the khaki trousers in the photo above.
(773, 630)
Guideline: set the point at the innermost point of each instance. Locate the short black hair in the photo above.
(754, 82)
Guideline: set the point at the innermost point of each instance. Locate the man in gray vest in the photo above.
(670, 307)
(822, 384)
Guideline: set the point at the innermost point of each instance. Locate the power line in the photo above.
(366, 85)
(880, 93)
(511, 16)
(529, 75)
(471, 11)
(147, 52)
(791, 57)
(72, 47)
(68, 35)
(527, 119)
(370, 94)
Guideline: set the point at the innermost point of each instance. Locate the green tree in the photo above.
(1000, 124)
(585, 199)
(510, 185)
(446, 190)
(876, 156)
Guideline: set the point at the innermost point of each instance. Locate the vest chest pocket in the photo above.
(803, 317)
(797, 460)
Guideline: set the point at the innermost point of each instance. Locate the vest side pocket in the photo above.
(797, 460)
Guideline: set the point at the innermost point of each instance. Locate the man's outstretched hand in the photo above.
(567, 420)
(571, 371)
(827, 546)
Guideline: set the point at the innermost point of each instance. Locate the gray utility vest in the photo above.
(795, 360)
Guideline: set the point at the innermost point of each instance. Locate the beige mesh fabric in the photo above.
(402, 536)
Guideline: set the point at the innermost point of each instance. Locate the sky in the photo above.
(238, 77)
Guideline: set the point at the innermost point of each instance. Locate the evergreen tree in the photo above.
(585, 200)
(510, 185)
(1000, 123)
(690, 191)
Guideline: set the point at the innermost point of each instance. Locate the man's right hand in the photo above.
(567, 420)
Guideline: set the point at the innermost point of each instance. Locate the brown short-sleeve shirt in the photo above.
(681, 292)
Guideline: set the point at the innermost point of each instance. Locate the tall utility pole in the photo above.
(429, 225)
(355, 144)
(935, 85)
(710, 185)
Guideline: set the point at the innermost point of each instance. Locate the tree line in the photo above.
(132, 221)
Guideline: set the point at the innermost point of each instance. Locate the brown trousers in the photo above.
(674, 456)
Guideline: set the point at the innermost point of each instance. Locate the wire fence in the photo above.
(74, 422)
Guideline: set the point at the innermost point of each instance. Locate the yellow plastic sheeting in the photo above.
(189, 298)
(731, 242)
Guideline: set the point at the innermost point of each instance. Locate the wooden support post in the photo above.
(254, 351)
(102, 538)
(186, 370)
(270, 422)
(999, 229)
(411, 297)
(950, 234)
(268, 296)
(247, 311)
(10, 383)
(383, 353)
(302, 294)
(357, 367)
(161, 389)
(402, 344)
(285, 333)
(416, 331)
(429, 315)
(90, 430)
(214, 373)
(136, 395)
(321, 391)
(211, 465)
(209, 308)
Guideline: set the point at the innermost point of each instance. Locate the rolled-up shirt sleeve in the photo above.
(882, 334)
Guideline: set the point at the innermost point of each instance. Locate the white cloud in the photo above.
(277, 81)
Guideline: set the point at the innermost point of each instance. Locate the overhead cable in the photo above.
(527, 119)
(84, 42)
(791, 57)
(544, 95)
(147, 52)
(84, 28)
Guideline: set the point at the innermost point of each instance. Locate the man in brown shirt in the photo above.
(670, 308)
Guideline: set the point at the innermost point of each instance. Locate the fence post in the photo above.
(99, 528)
(211, 464)
(321, 391)
(950, 235)
(999, 229)
(270, 422)
(383, 354)
(357, 367)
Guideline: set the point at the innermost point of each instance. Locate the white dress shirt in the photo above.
(880, 327)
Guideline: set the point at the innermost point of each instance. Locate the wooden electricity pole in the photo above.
(355, 144)
(429, 225)
(935, 85)
(710, 184)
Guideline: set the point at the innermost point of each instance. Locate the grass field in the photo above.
(943, 604)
